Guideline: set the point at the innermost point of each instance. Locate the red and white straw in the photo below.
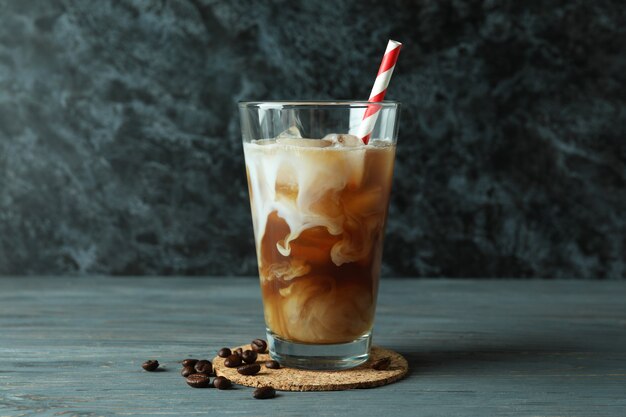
(378, 91)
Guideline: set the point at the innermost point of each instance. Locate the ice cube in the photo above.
(292, 132)
(293, 137)
(301, 142)
(341, 140)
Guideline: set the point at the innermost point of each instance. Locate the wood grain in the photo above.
(74, 347)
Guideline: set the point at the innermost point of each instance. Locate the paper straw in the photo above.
(378, 91)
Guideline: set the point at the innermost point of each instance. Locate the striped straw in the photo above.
(378, 91)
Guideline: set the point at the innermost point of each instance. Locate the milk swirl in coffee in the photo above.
(319, 209)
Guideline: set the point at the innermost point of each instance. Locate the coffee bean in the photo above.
(263, 393)
(204, 367)
(232, 361)
(250, 369)
(221, 382)
(224, 353)
(190, 362)
(382, 363)
(249, 356)
(187, 370)
(272, 365)
(198, 381)
(150, 365)
(238, 352)
(259, 345)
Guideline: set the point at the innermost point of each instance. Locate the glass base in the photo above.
(319, 357)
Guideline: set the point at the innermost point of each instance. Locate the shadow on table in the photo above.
(525, 355)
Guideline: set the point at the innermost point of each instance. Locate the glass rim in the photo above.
(279, 104)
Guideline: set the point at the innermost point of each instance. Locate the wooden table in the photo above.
(74, 346)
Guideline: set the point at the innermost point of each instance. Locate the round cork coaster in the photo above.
(290, 379)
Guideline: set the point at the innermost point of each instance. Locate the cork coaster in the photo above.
(290, 379)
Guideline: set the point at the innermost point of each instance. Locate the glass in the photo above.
(319, 200)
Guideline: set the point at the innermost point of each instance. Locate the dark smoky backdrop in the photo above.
(120, 144)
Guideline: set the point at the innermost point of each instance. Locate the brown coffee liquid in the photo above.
(320, 286)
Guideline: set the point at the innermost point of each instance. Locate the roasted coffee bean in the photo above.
(382, 363)
(250, 369)
(204, 367)
(190, 362)
(221, 382)
(249, 356)
(238, 352)
(198, 380)
(263, 393)
(232, 361)
(150, 365)
(224, 353)
(259, 345)
(272, 365)
(187, 370)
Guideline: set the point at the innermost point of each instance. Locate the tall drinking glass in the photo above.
(319, 199)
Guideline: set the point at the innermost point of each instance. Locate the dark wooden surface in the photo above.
(73, 347)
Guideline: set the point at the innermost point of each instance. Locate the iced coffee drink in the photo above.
(319, 208)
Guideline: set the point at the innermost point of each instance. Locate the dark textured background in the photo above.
(120, 150)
